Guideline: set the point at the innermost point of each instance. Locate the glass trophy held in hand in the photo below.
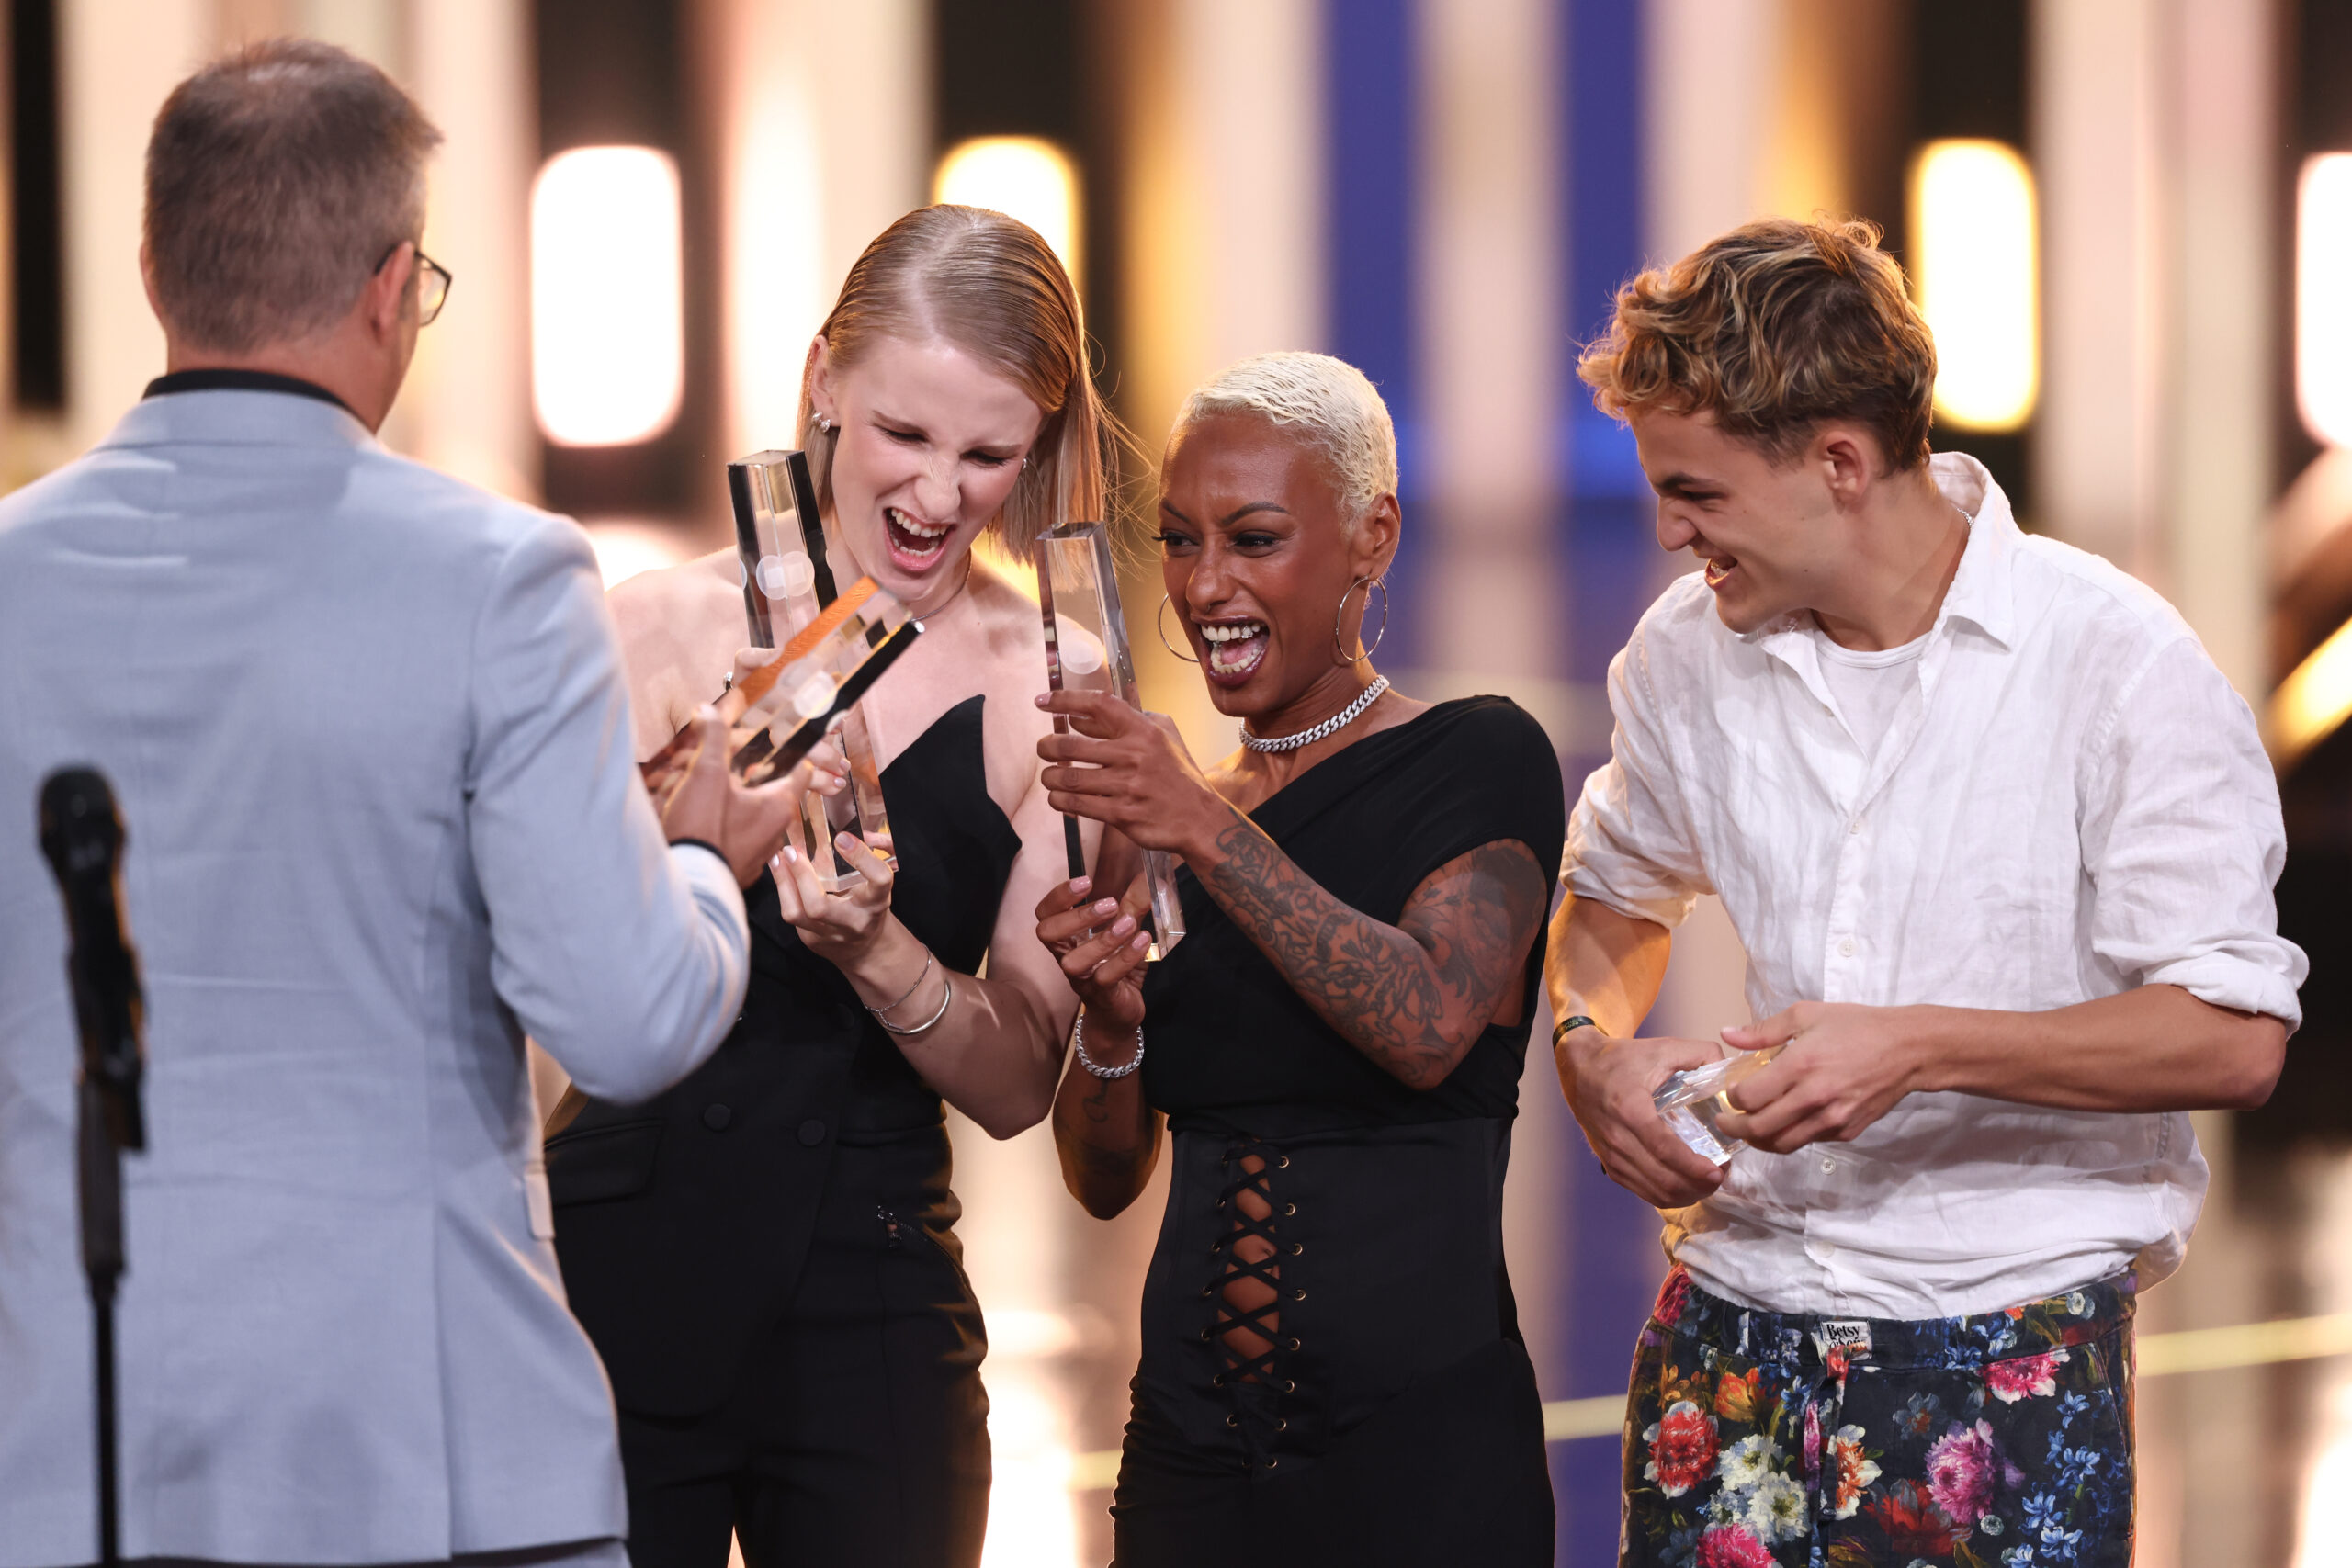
(783, 705)
(1087, 650)
(788, 561)
(1695, 1100)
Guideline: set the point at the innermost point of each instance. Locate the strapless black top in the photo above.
(683, 1222)
(955, 852)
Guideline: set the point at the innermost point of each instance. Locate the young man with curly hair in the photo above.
(2000, 842)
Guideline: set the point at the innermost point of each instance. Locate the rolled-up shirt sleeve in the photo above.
(2183, 841)
(1629, 846)
(626, 957)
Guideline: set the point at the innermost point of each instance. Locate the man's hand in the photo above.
(1843, 1068)
(1609, 1083)
(747, 826)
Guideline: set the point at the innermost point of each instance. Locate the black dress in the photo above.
(1395, 1419)
(764, 1255)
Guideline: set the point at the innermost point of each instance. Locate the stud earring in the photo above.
(824, 424)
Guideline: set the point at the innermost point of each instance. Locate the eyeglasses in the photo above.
(433, 281)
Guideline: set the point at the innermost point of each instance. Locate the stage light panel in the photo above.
(607, 296)
(2323, 296)
(1974, 248)
(2314, 701)
(1022, 176)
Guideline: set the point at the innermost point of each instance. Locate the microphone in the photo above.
(82, 835)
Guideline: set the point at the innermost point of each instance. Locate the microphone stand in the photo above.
(82, 835)
(102, 1259)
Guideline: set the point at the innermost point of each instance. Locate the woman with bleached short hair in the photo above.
(1332, 1371)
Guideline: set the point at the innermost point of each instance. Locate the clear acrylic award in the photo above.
(1086, 650)
(792, 700)
(1694, 1102)
(781, 540)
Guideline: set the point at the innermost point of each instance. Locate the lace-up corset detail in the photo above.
(1247, 1288)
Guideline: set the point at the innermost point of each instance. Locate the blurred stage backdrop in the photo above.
(2131, 221)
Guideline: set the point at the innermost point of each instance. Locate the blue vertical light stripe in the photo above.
(1610, 513)
(1369, 100)
(1371, 142)
(1609, 556)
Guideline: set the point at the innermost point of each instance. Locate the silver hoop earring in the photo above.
(1160, 624)
(1338, 622)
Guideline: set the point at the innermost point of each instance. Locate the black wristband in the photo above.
(1560, 1030)
(706, 844)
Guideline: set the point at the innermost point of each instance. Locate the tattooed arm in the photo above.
(1107, 1136)
(1413, 997)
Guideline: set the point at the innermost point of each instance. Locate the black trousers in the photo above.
(858, 1434)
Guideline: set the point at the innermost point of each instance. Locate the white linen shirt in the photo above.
(2071, 802)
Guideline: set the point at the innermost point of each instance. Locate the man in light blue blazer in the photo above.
(368, 732)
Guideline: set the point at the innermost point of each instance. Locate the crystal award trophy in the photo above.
(1695, 1100)
(781, 540)
(1086, 650)
(791, 701)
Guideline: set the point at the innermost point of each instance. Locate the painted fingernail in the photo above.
(791, 855)
(1123, 925)
(1079, 884)
(1142, 940)
(845, 841)
(1105, 905)
(1044, 697)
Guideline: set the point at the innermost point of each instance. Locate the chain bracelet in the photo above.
(946, 1000)
(1077, 1043)
(893, 1007)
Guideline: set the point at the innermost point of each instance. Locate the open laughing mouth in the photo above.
(915, 544)
(1719, 567)
(1235, 648)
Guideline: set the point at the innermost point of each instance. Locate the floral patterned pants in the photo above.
(1761, 1440)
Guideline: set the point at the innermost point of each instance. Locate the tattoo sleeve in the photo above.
(1413, 997)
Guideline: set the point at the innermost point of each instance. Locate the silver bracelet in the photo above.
(946, 1000)
(893, 1007)
(1077, 1043)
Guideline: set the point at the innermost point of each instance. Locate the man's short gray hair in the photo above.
(278, 180)
(1328, 402)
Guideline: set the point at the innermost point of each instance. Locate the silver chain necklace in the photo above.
(1330, 725)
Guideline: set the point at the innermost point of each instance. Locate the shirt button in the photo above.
(1846, 948)
(1855, 826)
(715, 1117)
(1829, 1166)
(812, 1133)
(1827, 1249)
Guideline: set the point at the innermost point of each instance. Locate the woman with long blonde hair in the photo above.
(765, 1255)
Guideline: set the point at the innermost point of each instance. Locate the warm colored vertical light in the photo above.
(2312, 702)
(1020, 175)
(607, 299)
(2323, 296)
(1973, 249)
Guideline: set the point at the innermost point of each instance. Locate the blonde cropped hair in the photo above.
(1328, 402)
(1772, 329)
(991, 286)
